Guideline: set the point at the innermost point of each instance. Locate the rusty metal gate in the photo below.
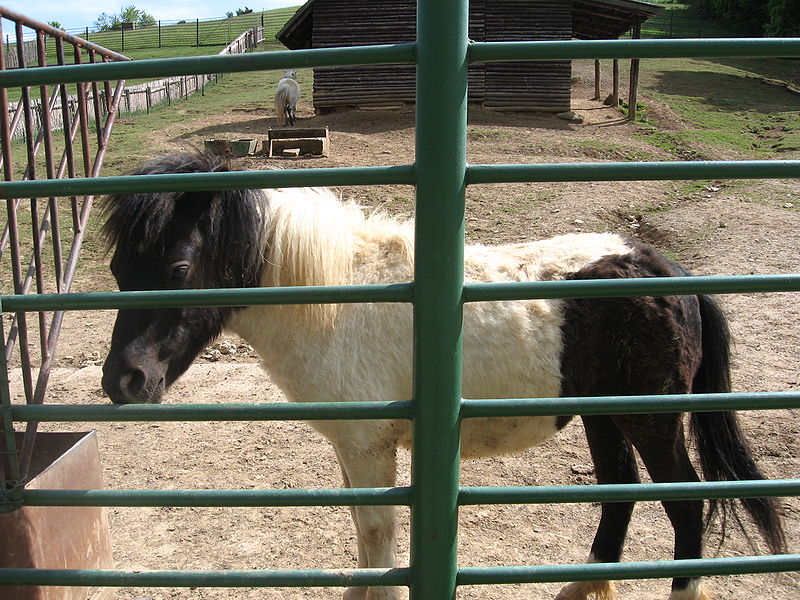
(52, 134)
(440, 174)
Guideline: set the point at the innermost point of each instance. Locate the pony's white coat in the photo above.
(287, 95)
(339, 353)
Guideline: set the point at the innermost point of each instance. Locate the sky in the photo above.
(74, 14)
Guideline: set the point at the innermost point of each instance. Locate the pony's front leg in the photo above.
(370, 461)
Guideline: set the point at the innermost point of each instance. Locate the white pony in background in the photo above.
(286, 98)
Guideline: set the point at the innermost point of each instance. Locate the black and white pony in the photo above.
(287, 95)
(350, 352)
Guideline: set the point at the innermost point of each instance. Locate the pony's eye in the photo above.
(179, 271)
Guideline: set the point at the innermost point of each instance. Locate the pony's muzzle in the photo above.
(131, 385)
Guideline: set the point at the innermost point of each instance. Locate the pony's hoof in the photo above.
(582, 590)
(694, 591)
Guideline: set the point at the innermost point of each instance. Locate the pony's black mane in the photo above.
(229, 220)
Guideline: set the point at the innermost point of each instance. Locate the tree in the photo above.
(146, 20)
(55, 24)
(128, 14)
(784, 18)
(131, 14)
(243, 11)
(106, 22)
(754, 17)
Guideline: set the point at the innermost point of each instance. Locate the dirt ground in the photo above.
(721, 227)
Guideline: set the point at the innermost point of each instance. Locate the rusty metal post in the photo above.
(49, 166)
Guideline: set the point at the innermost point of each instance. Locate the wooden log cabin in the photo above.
(512, 86)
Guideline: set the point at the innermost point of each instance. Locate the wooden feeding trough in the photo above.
(292, 142)
(244, 147)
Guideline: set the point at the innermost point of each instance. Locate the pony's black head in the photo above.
(175, 240)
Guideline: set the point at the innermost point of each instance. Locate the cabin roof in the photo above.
(609, 19)
(591, 20)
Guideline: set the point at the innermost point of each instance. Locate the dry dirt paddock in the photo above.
(722, 227)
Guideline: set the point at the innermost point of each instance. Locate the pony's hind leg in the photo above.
(660, 442)
(613, 463)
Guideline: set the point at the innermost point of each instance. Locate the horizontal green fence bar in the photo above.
(220, 498)
(633, 171)
(306, 411)
(43, 188)
(401, 496)
(650, 286)
(402, 175)
(630, 492)
(206, 578)
(403, 292)
(650, 48)
(401, 53)
(399, 292)
(196, 65)
(619, 405)
(628, 570)
(400, 576)
(470, 408)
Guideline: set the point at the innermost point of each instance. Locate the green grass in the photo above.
(610, 150)
(482, 134)
(131, 138)
(174, 39)
(739, 106)
(143, 43)
(680, 20)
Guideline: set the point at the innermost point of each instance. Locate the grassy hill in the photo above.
(187, 38)
(681, 21)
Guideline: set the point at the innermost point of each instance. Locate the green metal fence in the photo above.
(441, 174)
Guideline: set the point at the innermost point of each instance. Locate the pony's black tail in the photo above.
(724, 453)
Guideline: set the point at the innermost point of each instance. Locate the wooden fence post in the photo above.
(634, 79)
(596, 79)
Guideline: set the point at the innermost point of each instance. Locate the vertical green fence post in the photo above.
(441, 121)
(9, 459)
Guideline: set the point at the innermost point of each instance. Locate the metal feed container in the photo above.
(57, 537)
